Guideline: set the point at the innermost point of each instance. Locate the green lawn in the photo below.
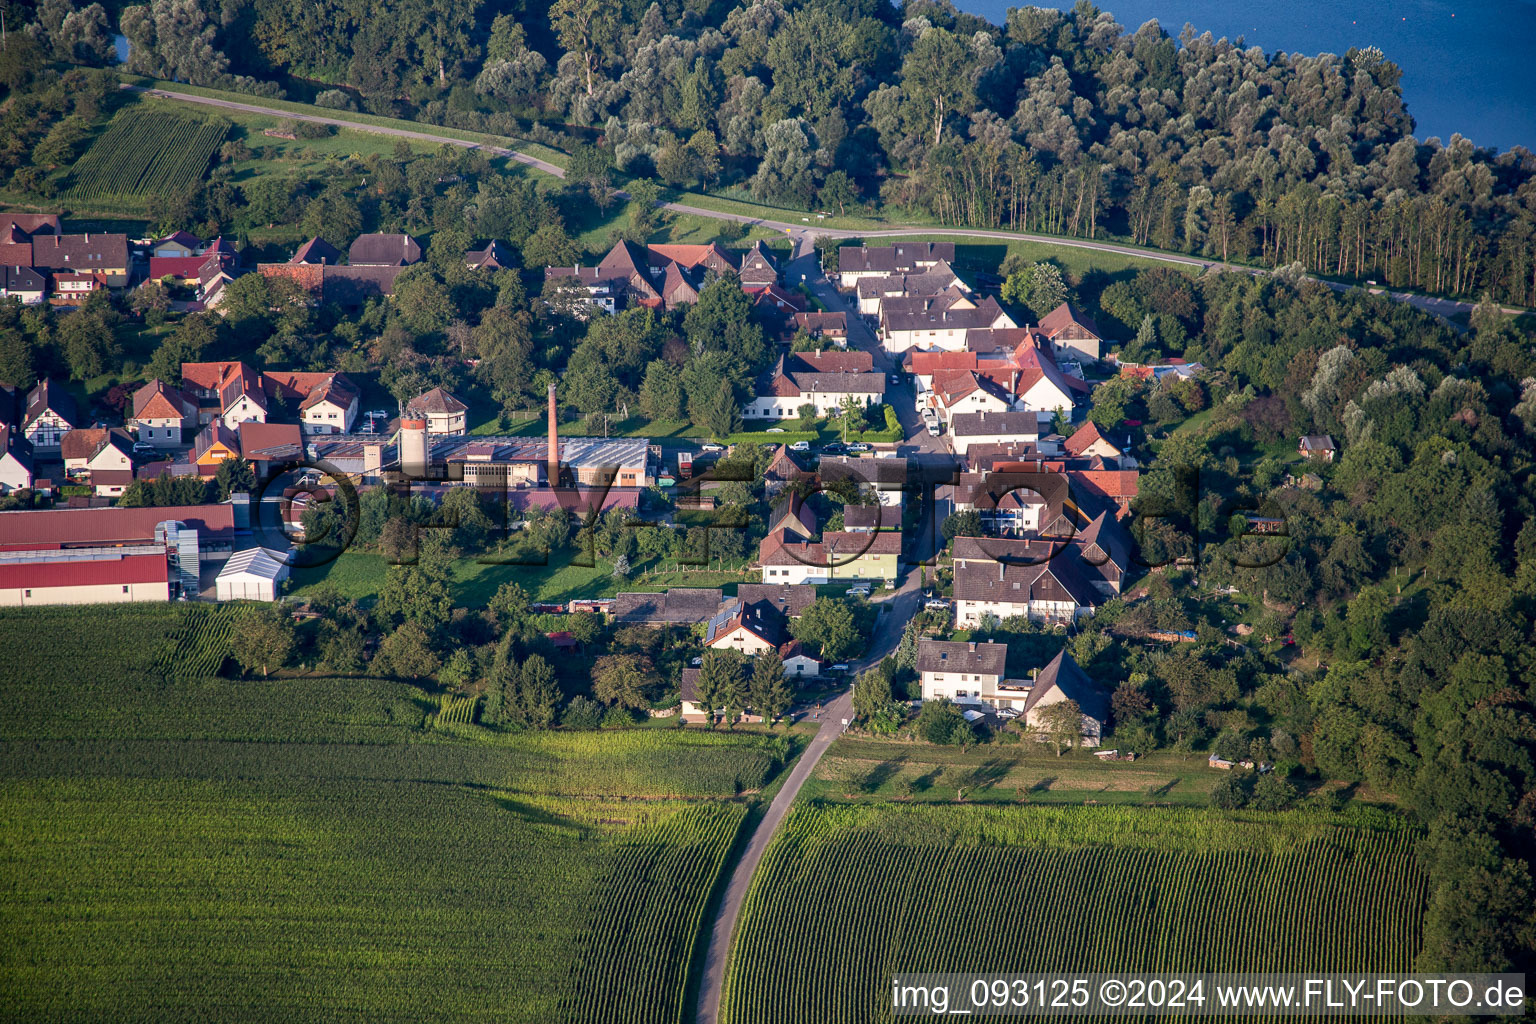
(360, 575)
(863, 769)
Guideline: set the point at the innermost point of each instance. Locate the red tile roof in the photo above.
(96, 572)
(50, 528)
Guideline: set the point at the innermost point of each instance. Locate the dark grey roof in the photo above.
(1002, 424)
(988, 659)
(383, 250)
(787, 598)
(870, 517)
(317, 250)
(892, 259)
(354, 285)
(1064, 674)
(882, 474)
(20, 279)
(690, 688)
(680, 605)
(80, 253)
(1058, 579)
(51, 395)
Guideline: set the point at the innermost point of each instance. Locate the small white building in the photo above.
(254, 574)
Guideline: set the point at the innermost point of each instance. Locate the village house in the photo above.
(161, 414)
(873, 293)
(883, 479)
(820, 379)
(1072, 334)
(837, 556)
(968, 428)
(444, 413)
(1319, 447)
(492, 257)
(965, 672)
(857, 262)
(23, 284)
(325, 403)
(1088, 441)
(213, 444)
(15, 460)
(831, 327)
(748, 629)
(50, 414)
(86, 451)
(759, 268)
(102, 257)
(938, 321)
(1053, 591)
(1062, 680)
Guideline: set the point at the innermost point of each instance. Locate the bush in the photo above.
(618, 717)
(335, 99)
(1230, 793)
(314, 130)
(582, 713)
(940, 722)
(1273, 793)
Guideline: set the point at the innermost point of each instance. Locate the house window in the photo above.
(29, 593)
(125, 588)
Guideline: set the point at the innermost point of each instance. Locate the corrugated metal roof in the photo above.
(124, 569)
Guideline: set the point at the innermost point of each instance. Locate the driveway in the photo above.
(898, 607)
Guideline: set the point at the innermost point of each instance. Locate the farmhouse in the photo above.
(1072, 334)
(1062, 680)
(680, 606)
(749, 629)
(50, 414)
(964, 672)
(937, 321)
(161, 413)
(786, 558)
(1052, 592)
(384, 250)
(758, 269)
(88, 254)
(823, 380)
(856, 262)
(15, 460)
(22, 284)
(831, 326)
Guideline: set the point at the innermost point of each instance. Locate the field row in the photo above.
(926, 889)
(144, 153)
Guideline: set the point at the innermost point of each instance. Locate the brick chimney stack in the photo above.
(553, 456)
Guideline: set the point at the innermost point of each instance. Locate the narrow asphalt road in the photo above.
(804, 233)
(897, 608)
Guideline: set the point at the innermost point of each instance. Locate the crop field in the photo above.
(307, 848)
(144, 153)
(966, 888)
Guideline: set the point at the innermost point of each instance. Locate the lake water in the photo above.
(1468, 67)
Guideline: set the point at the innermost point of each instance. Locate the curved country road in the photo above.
(896, 610)
(804, 234)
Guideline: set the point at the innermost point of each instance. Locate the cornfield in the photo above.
(200, 643)
(453, 710)
(914, 889)
(144, 153)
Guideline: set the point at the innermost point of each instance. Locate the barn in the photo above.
(254, 574)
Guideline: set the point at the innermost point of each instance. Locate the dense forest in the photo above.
(1067, 123)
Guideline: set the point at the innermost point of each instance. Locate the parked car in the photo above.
(933, 428)
(860, 446)
(712, 447)
(834, 448)
(144, 448)
(936, 604)
(800, 446)
(774, 430)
